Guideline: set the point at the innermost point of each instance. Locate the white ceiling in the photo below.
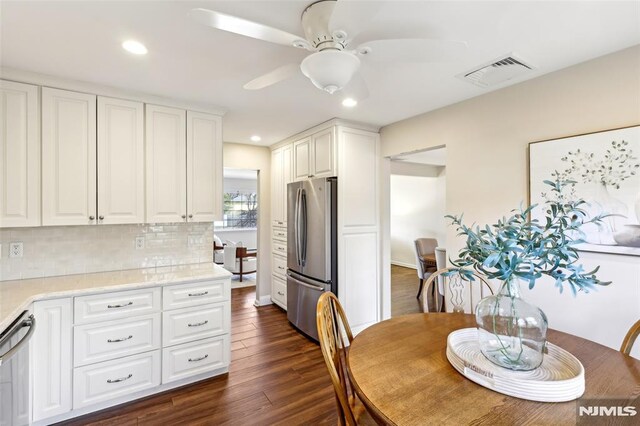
(188, 61)
(432, 157)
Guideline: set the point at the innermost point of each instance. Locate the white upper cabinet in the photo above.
(166, 164)
(204, 167)
(277, 211)
(281, 162)
(19, 155)
(315, 156)
(322, 154)
(68, 157)
(120, 161)
(302, 159)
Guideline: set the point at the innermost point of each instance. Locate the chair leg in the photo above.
(420, 288)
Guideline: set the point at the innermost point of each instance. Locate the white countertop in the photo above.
(17, 295)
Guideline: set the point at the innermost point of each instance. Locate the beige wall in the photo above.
(417, 209)
(240, 156)
(486, 139)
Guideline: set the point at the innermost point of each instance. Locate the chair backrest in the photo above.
(332, 329)
(630, 338)
(461, 292)
(230, 256)
(441, 263)
(217, 240)
(423, 246)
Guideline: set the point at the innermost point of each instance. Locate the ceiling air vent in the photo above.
(497, 71)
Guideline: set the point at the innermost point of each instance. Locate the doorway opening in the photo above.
(417, 191)
(236, 235)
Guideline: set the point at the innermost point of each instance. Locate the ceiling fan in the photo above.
(331, 31)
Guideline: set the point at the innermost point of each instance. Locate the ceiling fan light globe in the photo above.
(330, 70)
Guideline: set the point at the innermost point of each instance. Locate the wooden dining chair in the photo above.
(630, 338)
(459, 289)
(335, 336)
(424, 246)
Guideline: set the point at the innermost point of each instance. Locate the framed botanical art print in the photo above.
(605, 167)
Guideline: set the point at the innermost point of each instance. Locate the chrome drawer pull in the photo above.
(281, 293)
(280, 267)
(121, 379)
(119, 306)
(198, 324)
(119, 340)
(198, 359)
(198, 294)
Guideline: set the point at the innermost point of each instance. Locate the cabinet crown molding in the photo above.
(325, 125)
(29, 77)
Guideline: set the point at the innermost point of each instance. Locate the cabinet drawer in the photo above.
(116, 378)
(279, 265)
(194, 358)
(123, 304)
(279, 291)
(280, 234)
(190, 324)
(280, 247)
(104, 341)
(194, 294)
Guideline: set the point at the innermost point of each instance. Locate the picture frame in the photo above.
(606, 168)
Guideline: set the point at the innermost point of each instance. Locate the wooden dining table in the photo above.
(400, 371)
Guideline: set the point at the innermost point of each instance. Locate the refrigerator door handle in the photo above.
(303, 218)
(296, 227)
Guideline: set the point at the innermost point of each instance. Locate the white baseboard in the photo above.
(404, 264)
(263, 301)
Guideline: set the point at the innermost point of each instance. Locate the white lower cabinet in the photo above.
(52, 349)
(99, 350)
(279, 291)
(112, 379)
(185, 325)
(197, 357)
(100, 342)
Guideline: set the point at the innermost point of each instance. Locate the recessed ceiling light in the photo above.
(349, 102)
(256, 138)
(134, 47)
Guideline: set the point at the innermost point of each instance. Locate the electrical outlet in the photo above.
(15, 250)
(139, 243)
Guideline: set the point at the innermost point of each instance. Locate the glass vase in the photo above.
(512, 333)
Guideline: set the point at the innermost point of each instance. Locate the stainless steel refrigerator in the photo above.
(311, 249)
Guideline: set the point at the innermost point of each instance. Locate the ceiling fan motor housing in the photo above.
(315, 23)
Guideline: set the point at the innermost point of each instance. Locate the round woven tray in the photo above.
(560, 377)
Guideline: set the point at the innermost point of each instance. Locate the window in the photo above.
(240, 209)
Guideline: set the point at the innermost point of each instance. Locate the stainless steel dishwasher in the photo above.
(15, 406)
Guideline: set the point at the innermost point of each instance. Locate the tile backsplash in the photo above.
(63, 250)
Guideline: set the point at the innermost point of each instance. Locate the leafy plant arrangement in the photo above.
(517, 247)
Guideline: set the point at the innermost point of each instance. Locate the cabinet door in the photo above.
(204, 167)
(19, 155)
(120, 161)
(301, 157)
(68, 157)
(322, 154)
(52, 355)
(286, 178)
(277, 194)
(166, 193)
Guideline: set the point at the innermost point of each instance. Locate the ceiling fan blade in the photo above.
(356, 89)
(243, 27)
(279, 74)
(412, 50)
(353, 16)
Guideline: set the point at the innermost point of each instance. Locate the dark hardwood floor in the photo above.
(404, 287)
(277, 376)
